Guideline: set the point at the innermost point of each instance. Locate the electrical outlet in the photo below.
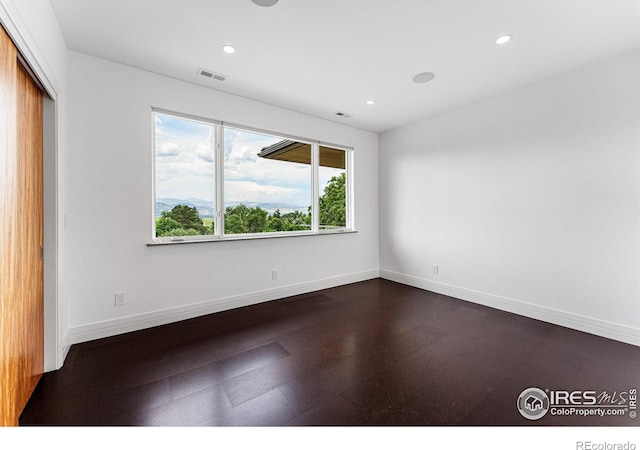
(435, 269)
(120, 299)
(274, 274)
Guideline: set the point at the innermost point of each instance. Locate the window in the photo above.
(184, 177)
(265, 190)
(215, 181)
(333, 187)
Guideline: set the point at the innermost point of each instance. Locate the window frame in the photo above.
(219, 179)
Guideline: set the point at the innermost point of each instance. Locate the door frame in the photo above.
(55, 348)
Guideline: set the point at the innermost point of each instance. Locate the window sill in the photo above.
(247, 237)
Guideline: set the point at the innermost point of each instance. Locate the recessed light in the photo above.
(424, 77)
(370, 102)
(228, 49)
(503, 39)
(265, 3)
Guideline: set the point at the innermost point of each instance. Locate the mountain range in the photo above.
(205, 207)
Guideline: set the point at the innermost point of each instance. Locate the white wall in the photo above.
(109, 209)
(528, 201)
(40, 30)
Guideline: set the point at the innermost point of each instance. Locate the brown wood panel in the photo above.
(21, 235)
(31, 241)
(8, 227)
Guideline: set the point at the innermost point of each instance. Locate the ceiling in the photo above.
(320, 57)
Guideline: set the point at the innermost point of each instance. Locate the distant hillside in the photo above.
(205, 208)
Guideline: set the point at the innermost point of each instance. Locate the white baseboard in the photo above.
(570, 320)
(98, 330)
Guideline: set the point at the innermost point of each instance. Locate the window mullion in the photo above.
(219, 175)
(153, 171)
(349, 200)
(315, 188)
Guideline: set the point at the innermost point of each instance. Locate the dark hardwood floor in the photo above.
(374, 353)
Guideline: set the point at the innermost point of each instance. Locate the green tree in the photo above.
(164, 226)
(242, 219)
(275, 222)
(296, 220)
(333, 209)
(183, 232)
(187, 218)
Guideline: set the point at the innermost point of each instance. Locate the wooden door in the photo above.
(21, 235)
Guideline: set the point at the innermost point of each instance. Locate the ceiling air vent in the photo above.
(211, 75)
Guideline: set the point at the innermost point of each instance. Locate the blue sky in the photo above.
(185, 152)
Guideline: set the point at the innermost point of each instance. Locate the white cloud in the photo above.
(167, 149)
(185, 154)
(249, 191)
